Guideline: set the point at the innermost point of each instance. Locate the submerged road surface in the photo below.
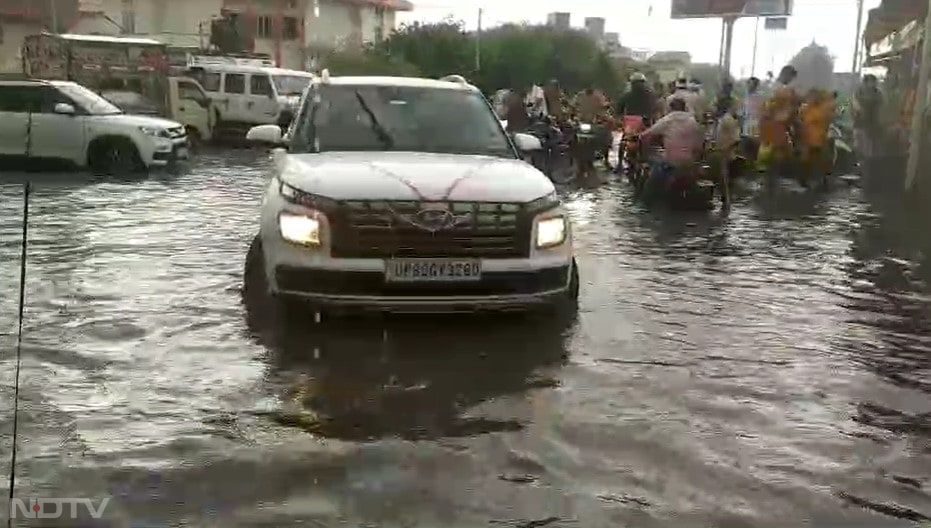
(765, 369)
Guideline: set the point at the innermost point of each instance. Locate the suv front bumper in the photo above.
(505, 284)
(161, 152)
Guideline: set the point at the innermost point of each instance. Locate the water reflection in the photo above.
(414, 378)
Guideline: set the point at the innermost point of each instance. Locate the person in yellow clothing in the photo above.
(816, 115)
(776, 122)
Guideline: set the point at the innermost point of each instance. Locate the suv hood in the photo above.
(413, 176)
(139, 121)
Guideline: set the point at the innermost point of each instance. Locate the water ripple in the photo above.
(765, 368)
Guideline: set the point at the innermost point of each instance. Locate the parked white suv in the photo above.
(400, 194)
(64, 121)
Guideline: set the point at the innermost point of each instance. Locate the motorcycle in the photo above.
(553, 160)
(588, 147)
(689, 188)
(630, 144)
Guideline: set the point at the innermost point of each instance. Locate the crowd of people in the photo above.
(776, 123)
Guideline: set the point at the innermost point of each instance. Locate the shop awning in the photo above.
(890, 17)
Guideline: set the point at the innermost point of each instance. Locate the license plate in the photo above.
(182, 153)
(433, 270)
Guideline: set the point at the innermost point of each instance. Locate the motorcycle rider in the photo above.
(516, 112)
(681, 91)
(639, 100)
(725, 100)
(683, 139)
(637, 108)
(555, 101)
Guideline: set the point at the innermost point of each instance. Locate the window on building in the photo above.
(290, 28)
(234, 83)
(129, 16)
(263, 27)
(260, 85)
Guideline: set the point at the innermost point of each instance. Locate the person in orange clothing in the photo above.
(777, 120)
(816, 115)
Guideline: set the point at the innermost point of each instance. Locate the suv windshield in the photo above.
(89, 101)
(290, 84)
(399, 118)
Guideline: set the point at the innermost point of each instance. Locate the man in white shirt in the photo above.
(681, 92)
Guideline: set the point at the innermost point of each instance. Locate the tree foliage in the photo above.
(510, 56)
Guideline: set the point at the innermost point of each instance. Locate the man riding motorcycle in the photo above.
(591, 109)
(637, 109)
(682, 144)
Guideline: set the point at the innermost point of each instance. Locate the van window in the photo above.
(20, 99)
(234, 83)
(260, 85)
(210, 81)
(190, 91)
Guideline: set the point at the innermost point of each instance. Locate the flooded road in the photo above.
(765, 369)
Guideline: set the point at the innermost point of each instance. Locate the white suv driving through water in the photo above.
(400, 194)
(64, 121)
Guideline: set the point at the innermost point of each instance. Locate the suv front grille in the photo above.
(386, 229)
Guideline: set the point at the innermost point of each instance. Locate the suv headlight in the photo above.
(296, 196)
(551, 232)
(154, 132)
(299, 228)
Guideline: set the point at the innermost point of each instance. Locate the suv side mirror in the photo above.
(527, 142)
(270, 134)
(64, 109)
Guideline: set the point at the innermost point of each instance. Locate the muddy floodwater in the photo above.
(768, 368)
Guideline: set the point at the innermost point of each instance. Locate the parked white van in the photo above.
(247, 92)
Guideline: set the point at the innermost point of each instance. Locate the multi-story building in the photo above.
(559, 20)
(595, 26)
(294, 32)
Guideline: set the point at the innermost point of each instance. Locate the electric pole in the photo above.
(857, 39)
(54, 15)
(478, 42)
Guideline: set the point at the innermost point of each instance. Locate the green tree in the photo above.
(367, 62)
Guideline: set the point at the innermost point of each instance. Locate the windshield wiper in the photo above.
(383, 134)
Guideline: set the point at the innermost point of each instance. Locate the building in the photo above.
(595, 26)
(293, 32)
(19, 18)
(559, 20)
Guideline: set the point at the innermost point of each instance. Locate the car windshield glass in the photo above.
(131, 102)
(399, 118)
(88, 100)
(290, 84)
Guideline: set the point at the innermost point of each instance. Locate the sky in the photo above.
(646, 24)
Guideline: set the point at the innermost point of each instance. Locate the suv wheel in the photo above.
(114, 157)
(566, 306)
(255, 287)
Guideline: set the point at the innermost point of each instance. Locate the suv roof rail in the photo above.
(455, 78)
(195, 61)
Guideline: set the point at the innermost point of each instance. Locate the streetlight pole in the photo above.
(857, 40)
(756, 40)
(728, 44)
(920, 111)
